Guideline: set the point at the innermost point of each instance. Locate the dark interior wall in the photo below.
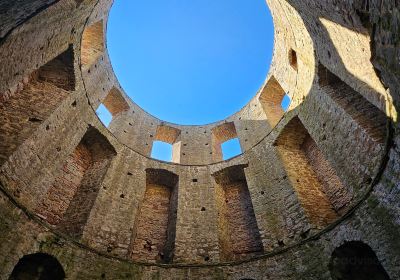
(38, 267)
(311, 262)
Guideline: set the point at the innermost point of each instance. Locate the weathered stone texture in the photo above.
(154, 236)
(238, 230)
(65, 187)
(23, 112)
(310, 180)
(332, 187)
(294, 149)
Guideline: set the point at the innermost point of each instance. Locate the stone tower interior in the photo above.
(314, 195)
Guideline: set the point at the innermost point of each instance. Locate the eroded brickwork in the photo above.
(70, 199)
(24, 112)
(337, 194)
(303, 176)
(59, 196)
(299, 177)
(239, 233)
(154, 236)
(92, 43)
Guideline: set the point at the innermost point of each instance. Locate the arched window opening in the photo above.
(38, 266)
(356, 261)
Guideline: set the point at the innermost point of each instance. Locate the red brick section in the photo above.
(70, 199)
(13, 13)
(60, 194)
(303, 176)
(332, 186)
(368, 117)
(92, 43)
(36, 98)
(239, 235)
(155, 231)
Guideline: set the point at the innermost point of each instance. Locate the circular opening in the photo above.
(190, 62)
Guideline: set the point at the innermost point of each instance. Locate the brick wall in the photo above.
(337, 141)
(238, 230)
(303, 176)
(92, 43)
(338, 194)
(69, 200)
(65, 187)
(154, 236)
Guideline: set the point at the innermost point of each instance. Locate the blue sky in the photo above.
(190, 62)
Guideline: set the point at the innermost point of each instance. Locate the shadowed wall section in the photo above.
(154, 238)
(239, 235)
(38, 266)
(356, 261)
(69, 200)
(370, 119)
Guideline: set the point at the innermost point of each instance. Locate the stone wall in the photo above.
(317, 176)
(154, 237)
(239, 235)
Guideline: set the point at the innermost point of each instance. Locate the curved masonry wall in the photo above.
(309, 180)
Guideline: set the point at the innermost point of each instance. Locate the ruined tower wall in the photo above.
(349, 116)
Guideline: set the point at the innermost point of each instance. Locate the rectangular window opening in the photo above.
(285, 104)
(231, 149)
(104, 115)
(162, 151)
(271, 98)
